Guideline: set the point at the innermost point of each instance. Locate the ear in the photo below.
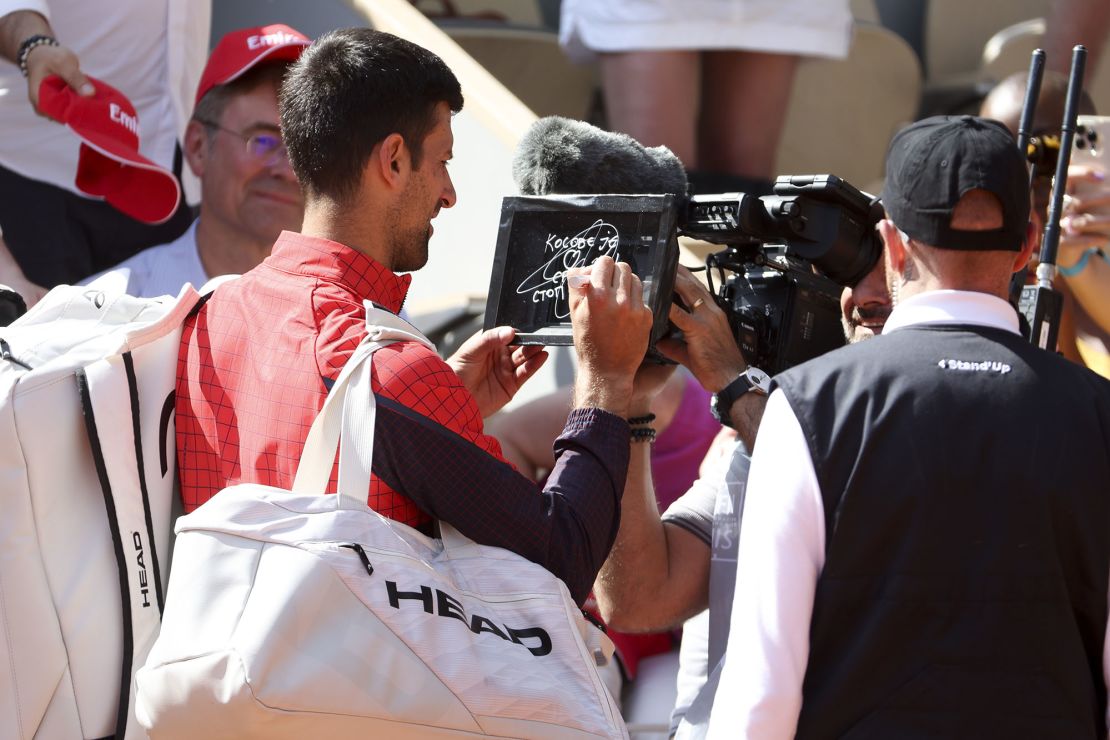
(895, 248)
(196, 147)
(390, 160)
(1031, 241)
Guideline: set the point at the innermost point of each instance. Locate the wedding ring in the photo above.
(697, 303)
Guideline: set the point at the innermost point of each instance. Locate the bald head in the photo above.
(1005, 101)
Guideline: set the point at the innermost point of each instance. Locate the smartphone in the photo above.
(1092, 141)
(1091, 148)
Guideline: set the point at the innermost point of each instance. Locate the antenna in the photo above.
(1041, 303)
(1025, 133)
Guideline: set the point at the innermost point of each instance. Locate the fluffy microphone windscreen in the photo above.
(559, 155)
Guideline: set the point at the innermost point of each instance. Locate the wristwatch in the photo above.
(752, 379)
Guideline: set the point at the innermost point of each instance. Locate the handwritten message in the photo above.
(548, 282)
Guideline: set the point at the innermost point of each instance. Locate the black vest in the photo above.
(965, 476)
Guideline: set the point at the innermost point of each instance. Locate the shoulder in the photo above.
(418, 377)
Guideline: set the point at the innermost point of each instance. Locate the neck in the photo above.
(930, 268)
(358, 229)
(227, 251)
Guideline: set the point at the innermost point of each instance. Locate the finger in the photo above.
(622, 277)
(483, 342)
(491, 339)
(1084, 173)
(578, 277)
(674, 350)
(529, 368)
(601, 277)
(1087, 224)
(689, 289)
(681, 318)
(76, 79)
(48, 60)
(635, 288)
(525, 352)
(1080, 242)
(1090, 200)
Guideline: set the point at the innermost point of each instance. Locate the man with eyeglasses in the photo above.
(233, 144)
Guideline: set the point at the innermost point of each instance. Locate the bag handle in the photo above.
(347, 418)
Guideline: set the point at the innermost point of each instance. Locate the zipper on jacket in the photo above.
(361, 556)
(6, 354)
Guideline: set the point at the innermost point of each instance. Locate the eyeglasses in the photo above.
(267, 148)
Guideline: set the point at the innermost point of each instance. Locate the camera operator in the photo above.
(906, 567)
(665, 569)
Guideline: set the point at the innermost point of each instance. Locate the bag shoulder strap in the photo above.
(346, 421)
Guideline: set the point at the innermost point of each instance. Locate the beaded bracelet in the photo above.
(29, 44)
(643, 434)
(641, 420)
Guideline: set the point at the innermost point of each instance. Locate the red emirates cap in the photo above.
(109, 165)
(240, 50)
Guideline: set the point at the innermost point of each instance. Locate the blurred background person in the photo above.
(1072, 22)
(150, 50)
(711, 80)
(233, 144)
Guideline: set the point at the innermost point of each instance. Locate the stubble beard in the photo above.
(855, 331)
(410, 251)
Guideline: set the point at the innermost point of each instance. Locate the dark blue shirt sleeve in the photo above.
(568, 527)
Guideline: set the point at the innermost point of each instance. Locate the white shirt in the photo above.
(156, 271)
(782, 549)
(152, 51)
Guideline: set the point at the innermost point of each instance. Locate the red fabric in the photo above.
(241, 50)
(109, 165)
(252, 363)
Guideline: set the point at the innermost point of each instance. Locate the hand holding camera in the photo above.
(708, 347)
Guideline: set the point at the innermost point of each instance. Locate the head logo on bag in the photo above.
(445, 605)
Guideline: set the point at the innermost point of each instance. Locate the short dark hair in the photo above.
(350, 90)
(210, 109)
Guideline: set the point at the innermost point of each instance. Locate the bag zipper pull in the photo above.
(361, 556)
(6, 354)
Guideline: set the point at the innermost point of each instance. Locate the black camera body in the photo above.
(782, 312)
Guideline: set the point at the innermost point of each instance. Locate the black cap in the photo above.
(932, 163)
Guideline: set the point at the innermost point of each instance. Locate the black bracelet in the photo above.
(641, 420)
(30, 43)
(643, 434)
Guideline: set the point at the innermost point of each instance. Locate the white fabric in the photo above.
(783, 536)
(276, 629)
(807, 27)
(153, 51)
(63, 629)
(713, 505)
(953, 307)
(155, 271)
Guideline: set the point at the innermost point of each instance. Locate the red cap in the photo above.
(109, 165)
(240, 50)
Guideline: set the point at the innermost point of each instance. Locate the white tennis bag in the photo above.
(298, 615)
(87, 471)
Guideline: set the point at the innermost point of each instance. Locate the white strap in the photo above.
(346, 420)
(453, 540)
